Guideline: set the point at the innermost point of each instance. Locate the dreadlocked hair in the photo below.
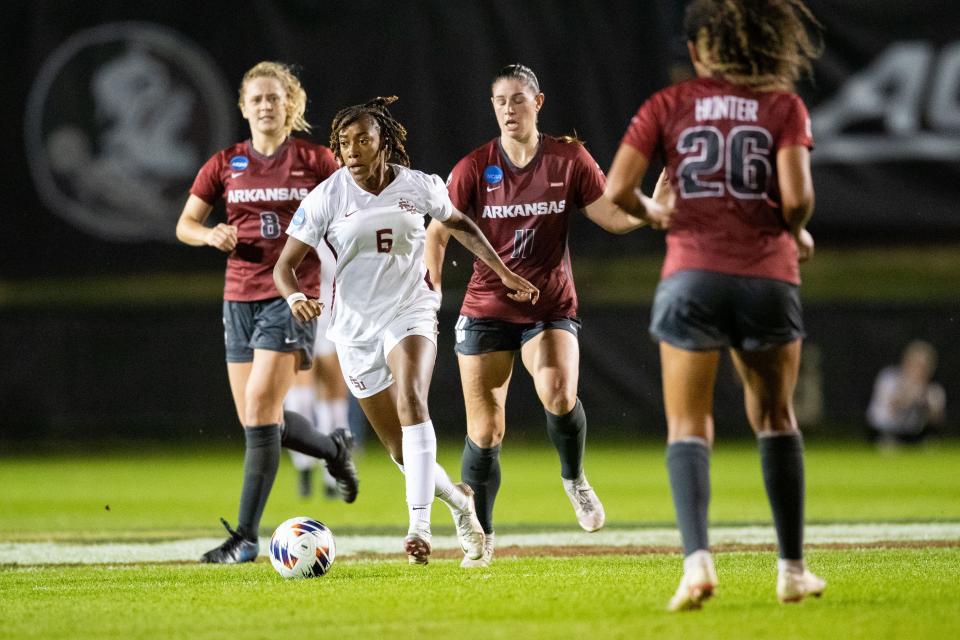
(754, 42)
(393, 135)
(296, 96)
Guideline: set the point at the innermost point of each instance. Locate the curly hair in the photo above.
(754, 42)
(296, 96)
(393, 135)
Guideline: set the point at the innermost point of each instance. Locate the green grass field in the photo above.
(891, 590)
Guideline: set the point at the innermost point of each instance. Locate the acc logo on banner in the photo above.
(118, 122)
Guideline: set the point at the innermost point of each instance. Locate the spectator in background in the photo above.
(906, 403)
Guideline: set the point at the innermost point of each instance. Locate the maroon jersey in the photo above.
(261, 194)
(525, 214)
(719, 143)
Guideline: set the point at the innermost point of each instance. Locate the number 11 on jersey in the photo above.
(523, 243)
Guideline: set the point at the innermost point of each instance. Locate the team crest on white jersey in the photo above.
(410, 207)
(118, 121)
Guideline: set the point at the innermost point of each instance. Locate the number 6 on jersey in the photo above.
(384, 240)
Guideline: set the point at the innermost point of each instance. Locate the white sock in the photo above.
(338, 413)
(300, 400)
(419, 446)
(322, 418)
(449, 494)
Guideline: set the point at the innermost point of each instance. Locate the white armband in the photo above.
(295, 297)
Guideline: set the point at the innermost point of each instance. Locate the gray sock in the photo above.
(300, 435)
(568, 433)
(688, 465)
(781, 459)
(259, 470)
(480, 468)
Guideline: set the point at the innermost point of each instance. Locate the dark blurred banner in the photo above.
(114, 105)
(886, 118)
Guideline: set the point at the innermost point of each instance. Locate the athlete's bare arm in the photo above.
(434, 251)
(796, 195)
(623, 188)
(608, 216)
(469, 235)
(285, 277)
(191, 230)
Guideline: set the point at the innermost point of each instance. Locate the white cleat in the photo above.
(417, 546)
(698, 583)
(585, 503)
(485, 559)
(793, 585)
(469, 531)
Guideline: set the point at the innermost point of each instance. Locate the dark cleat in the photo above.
(342, 468)
(235, 550)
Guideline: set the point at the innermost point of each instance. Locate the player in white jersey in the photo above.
(384, 320)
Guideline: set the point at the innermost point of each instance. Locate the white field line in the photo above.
(37, 553)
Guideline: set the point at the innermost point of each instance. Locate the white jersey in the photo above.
(378, 241)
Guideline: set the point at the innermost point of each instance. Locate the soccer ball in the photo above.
(302, 548)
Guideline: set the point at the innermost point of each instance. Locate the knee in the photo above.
(486, 434)
(560, 401)
(775, 417)
(261, 408)
(412, 407)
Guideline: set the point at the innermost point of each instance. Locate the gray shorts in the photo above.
(483, 335)
(704, 311)
(265, 324)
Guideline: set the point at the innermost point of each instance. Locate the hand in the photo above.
(306, 310)
(658, 211)
(804, 245)
(663, 192)
(223, 237)
(520, 289)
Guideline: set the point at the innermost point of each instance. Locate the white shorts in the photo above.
(365, 367)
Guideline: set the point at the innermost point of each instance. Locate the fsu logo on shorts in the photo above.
(118, 121)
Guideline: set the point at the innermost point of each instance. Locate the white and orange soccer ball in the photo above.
(302, 548)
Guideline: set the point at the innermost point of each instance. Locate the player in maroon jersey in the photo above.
(262, 181)
(521, 188)
(736, 144)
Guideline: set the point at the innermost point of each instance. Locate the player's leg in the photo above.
(688, 379)
(691, 319)
(767, 358)
(411, 362)
(552, 357)
(300, 399)
(769, 378)
(485, 379)
(239, 321)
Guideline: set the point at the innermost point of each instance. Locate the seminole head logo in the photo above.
(118, 122)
